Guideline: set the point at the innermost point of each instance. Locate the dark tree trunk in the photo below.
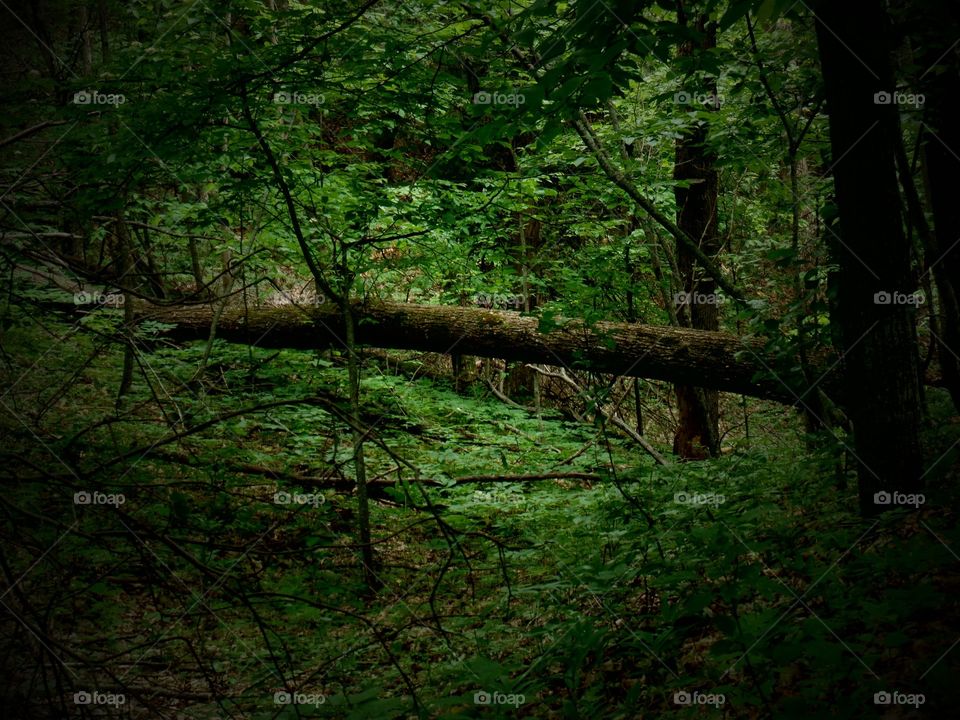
(940, 84)
(882, 393)
(104, 20)
(359, 461)
(127, 277)
(195, 264)
(697, 434)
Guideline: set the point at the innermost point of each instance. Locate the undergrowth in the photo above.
(620, 592)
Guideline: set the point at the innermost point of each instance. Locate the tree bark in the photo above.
(359, 458)
(126, 263)
(703, 358)
(697, 435)
(883, 397)
(940, 83)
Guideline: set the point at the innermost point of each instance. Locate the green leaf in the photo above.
(727, 625)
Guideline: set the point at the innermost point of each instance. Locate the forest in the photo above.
(479, 359)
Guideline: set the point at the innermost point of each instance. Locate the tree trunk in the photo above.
(708, 359)
(86, 41)
(873, 254)
(195, 266)
(104, 20)
(941, 159)
(359, 461)
(697, 434)
(126, 264)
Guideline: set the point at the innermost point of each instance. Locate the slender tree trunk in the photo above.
(360, 467)
(632, 317)
(104, 21)
(883, 395)
(462, 366)
(195, 266)
(86, 40)
(943, 169)
(154, 278)
(125, 261)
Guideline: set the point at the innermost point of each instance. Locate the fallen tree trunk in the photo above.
(678, 355)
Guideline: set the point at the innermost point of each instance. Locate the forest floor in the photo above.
(746, 586)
